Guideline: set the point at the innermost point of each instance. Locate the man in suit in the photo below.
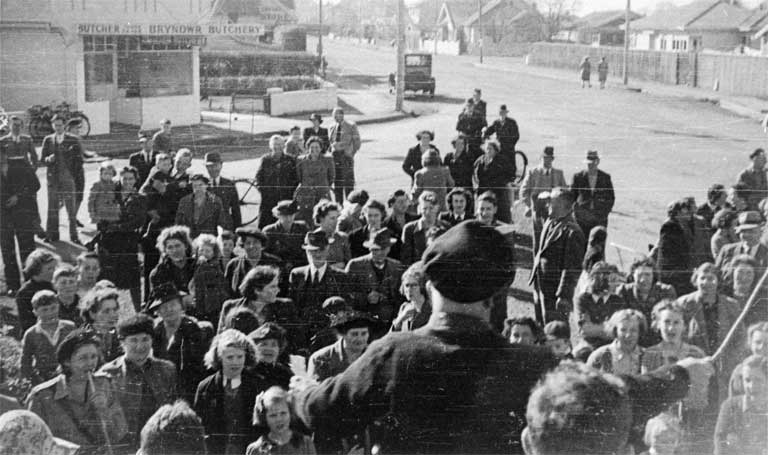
(311, 284)
(480, 106)
(162, 141)
(749, 229)
(436, 389)
(63, 155)
(375, 278)
(540, 179)
(557, 260)
(593, 190)
(345, 142)
(716, 199)
(755, 180)
(144, 159)
(507, 135)
(317, 130)
(223, 188)
(20, 149)
(202, 211)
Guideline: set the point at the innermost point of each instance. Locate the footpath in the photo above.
(744, 106)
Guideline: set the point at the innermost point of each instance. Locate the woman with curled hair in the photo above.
(492, 172)
(461, 162)
(79, 405)
(724, 223)
(224, 400)
(416, 310)
(643, 291)
(175, 429)
(326, 216)
(101, 312)
(119, 247)
(413, 159)
(623, 355)
(316, 173)
(259, 290)
(38, 272)
(459, 203)
(673, 250)
(177, 265)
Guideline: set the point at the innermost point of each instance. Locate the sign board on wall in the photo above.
(171, 29)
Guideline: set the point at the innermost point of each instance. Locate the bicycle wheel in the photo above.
(85, 124)
(250, 200)
(521, 161)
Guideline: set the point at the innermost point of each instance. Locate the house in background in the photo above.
(450, 36)
(505, 20)
(704, 24)
(601, 28)
(758, 24)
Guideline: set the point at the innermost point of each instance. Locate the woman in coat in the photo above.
(176, 266)
(412, 161)
(461, 162)
(276, 179)
(316, 173)
(674, 250)
(492, 173)
(119, 247)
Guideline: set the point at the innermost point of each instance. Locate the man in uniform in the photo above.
(540, 179)
(557, 260)
(63, 155)
(345, 142)
(452, 386)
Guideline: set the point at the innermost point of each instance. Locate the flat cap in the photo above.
(469, 263)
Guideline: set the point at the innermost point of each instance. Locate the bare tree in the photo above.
(556, 14)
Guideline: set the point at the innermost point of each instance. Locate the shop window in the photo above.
(152, 74)
(98, 74)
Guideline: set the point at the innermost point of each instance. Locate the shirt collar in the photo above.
(54, 339)
(319, 272)
(619, 354)
(455, 322)
(235, 381)
(62, 389)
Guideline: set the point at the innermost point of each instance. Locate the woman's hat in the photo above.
(162, 294)
(285, 207)
(268, 331)
(351, 320)
(247, 231)
(74, 340)
(317, 117)
(381, 238)
(24, 432)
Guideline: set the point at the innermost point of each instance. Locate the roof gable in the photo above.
(489, 7)
(722, 16)
(675, 18)
(611, 18)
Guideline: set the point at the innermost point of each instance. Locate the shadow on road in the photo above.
(438, 99)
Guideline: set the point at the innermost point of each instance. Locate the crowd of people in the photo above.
(339, 323)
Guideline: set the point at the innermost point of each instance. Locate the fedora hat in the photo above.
(591, 156)
(381, 238)
(212, 158)
(163, 294)
(352, 319)
(316, 240)
(316, 116)
(247, 231)
(749, 220)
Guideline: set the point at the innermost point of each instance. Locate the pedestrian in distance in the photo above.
(585, 68)
(594, 193)
(345, 143)
(537, 180)
(602, 72)
(276, 179)
(316, 173)
(413, 159)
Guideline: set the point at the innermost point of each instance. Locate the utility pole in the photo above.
(320, 36)
(400, 76)
(480, 27)
(626, 45)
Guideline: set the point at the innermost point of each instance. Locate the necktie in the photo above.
(546, 172)
(228, 384)
(338, 132)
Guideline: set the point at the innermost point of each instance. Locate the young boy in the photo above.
(65, 283)
(741, 425)
(557, 336)
(38, 355)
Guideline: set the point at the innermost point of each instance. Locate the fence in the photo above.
(728, 73)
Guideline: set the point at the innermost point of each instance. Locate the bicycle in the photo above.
(521, 161)
(40, 119)
(250, 200)
(4, 125)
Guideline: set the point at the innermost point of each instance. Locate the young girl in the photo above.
(623, 355)
(273, 411)
(209, 282)
(102, 204)
(432, 177)
(225, 399)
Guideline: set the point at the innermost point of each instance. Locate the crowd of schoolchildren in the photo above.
(230, 313)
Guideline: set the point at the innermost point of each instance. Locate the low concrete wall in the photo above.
(300, 101)
(443, 47)
(182, 110)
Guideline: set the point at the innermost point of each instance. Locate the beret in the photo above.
(470, 262)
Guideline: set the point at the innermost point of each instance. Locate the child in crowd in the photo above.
(65, 283)
(594, 254)
(224, 400)
(623, 355)
(743, 420)
(433, 176)
(163, 163)
(757, 342)
(227, 242)
(38, 355)
(38, 271)
(662, 435)
(557, 336)
(521, 331)
(102, 204)
(271, 366)
(294, 146)
(273, 411)
(209, 282)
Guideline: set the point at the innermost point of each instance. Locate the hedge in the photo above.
(262, 64)
(255, 85)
